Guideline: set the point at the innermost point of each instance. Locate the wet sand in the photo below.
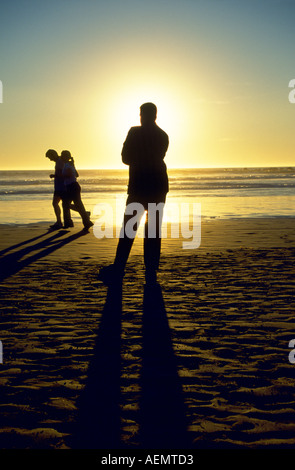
(199, 362)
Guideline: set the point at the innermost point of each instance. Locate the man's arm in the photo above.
(128, 152)
(165, 144)
(58, 173)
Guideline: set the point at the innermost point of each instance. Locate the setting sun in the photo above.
(121, 111)
(81, 87)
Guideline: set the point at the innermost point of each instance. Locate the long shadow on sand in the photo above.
(25, 242)
(98, 422)
(162, 415)
(163, 419)
(13, 262)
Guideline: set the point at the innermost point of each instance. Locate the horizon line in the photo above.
(168, 168)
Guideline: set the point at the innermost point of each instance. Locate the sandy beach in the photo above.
(199, 362)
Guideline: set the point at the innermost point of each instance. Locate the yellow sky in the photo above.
(75, 81)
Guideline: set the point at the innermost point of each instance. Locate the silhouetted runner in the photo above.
(73, 192)
(59, 188)
(143, 150)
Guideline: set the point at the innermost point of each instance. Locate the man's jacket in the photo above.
(144, 150)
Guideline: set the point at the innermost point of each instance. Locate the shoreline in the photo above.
(216, 233)
(205, 218)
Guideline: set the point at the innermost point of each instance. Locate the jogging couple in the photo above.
(67, 190)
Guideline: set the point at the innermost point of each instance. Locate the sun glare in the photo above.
(126, 112)
(121, 110)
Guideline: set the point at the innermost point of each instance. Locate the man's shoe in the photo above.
(87, 225)
(69, 224)
(56, 226)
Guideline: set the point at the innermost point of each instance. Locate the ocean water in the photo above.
(25, 196)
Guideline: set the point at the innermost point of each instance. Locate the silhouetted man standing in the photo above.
(143, 150)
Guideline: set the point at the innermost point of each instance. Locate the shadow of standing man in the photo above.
(98, 424)
(163, 415)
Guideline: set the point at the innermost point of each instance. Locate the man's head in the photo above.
(148, 113)
(52, 155)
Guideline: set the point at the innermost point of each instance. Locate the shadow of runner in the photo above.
(12, 263)
(163, 415)
(25, 242)
(98, 425)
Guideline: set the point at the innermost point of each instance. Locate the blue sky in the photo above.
(74, 73)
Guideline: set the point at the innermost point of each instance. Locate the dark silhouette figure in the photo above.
(59, 189)
(143, 150)
(72, 192)
(98, 422)
(163, 421)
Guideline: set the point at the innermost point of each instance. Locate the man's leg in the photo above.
(55, 203)
(152, 239)
(66, 200)
(79, 206)
(57, 210)
(133, 214)
(115, 272)
(74, 208)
